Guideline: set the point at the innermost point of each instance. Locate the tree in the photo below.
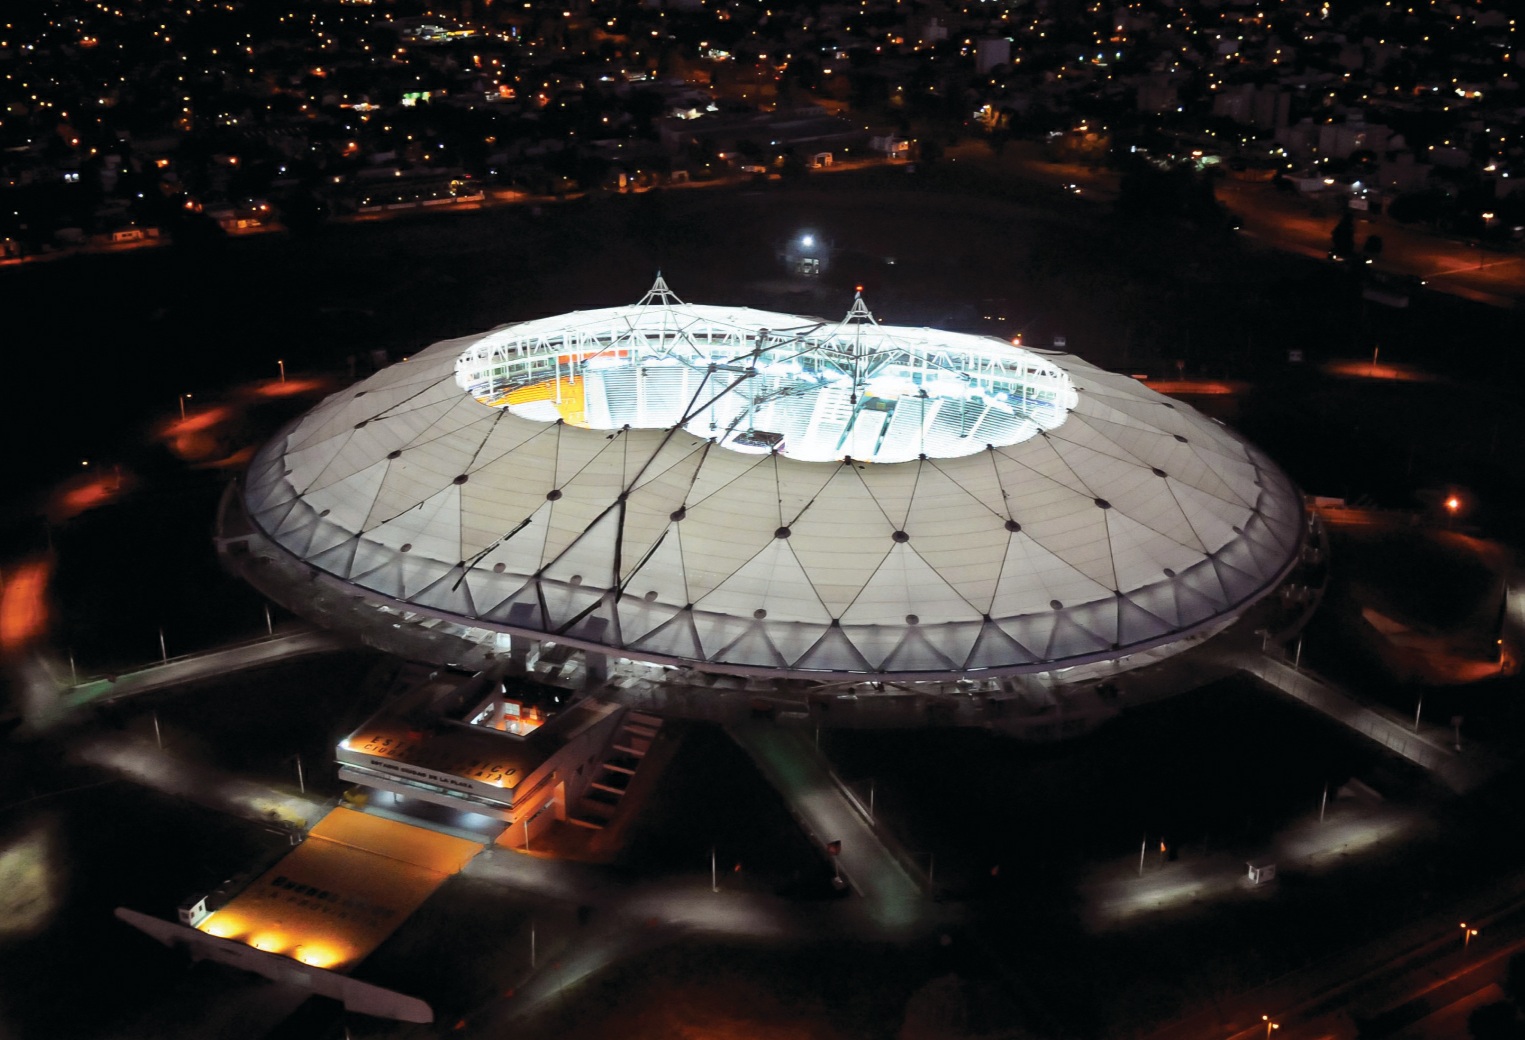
(302, 211)
(1342, 240)
(1417, 206)
(1497, 1021)
(1514, 978)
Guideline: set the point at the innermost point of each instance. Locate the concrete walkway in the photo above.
(891, 899)
(52, 697)
(208, 664)
(1432, 748)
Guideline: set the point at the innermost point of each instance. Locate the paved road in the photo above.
(1303, 224)
(1389, 985)
(1294, 223)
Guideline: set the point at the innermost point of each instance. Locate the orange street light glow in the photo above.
(1372, 370)
(23, 606)
(288, 387)
(83, 494)
(195, 422)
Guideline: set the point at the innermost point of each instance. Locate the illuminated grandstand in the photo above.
(807, 389)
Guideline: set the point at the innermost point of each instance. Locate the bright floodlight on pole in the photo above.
(807, 240)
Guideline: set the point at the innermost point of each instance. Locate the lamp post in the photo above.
(1270, 1026)
(1466, 935)
(183, 399)
(1453, 504)
(282, 363)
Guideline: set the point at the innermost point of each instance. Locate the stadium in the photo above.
(728, 497)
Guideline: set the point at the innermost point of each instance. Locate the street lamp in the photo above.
(1452, 504)
(1487, 223)
(1466, 935)
(1270, 1026)
(282, 363)
(183, 399)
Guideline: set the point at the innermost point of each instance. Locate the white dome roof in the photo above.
(1088, 521)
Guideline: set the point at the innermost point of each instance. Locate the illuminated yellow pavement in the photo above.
(338, 895)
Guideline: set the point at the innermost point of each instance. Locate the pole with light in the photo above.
(1466, 935)
(282, 363)
(1270, 1026)
(183, 399)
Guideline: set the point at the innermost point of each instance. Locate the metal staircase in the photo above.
(626, 750)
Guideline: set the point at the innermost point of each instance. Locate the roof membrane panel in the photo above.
(760, 498)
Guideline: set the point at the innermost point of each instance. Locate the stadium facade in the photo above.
(699, 491)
